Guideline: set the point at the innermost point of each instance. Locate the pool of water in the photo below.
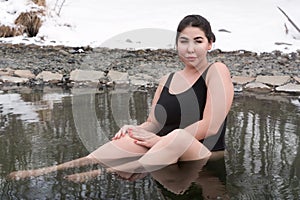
(43, 127)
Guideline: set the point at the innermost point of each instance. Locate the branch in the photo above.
(61, 5)
(289, 19)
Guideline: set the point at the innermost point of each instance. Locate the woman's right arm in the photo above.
(150, 124)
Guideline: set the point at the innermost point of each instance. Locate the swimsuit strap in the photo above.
(205, 72)
(169, 80)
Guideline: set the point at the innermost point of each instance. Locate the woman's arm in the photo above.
(151, 124)
(218, 102)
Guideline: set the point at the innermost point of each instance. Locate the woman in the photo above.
(187, 120)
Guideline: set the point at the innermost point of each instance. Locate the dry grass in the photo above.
(7, 31)
(27, 22)
(30, 21)
(40, 2)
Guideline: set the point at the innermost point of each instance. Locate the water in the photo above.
(49, 126)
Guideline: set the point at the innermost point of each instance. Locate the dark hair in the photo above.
(196, 21)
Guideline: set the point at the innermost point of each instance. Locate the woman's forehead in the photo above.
(192, 32)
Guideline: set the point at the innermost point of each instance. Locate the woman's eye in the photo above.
(183, 41)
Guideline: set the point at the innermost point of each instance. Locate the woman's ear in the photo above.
(210, 45)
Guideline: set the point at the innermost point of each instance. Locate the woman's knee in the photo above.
(127, 143)
(179, 134)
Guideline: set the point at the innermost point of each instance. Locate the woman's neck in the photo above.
(189, 69)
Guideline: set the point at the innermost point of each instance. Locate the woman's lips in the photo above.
(190, 58)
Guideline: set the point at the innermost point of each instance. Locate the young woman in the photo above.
(187, 119)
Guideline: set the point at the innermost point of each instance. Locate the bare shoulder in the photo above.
(163, 80)
(161, 84)
(159, 88)
(220, 68)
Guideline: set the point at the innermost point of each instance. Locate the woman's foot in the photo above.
(17, 175)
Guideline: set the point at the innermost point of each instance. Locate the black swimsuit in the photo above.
(175, 111)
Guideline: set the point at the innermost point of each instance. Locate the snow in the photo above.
(254, 25)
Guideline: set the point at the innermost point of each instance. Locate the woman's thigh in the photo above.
(189, 146)
(179, 145)
(118, 152)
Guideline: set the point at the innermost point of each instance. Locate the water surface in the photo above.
(49, 126)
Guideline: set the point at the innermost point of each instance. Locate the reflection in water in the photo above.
(14, 104)
(193, 180)
(263, 144)
(38, 128)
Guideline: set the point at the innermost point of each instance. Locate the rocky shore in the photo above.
(32, 65)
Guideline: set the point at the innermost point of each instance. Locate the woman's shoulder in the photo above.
(164, 79)
(219, 67)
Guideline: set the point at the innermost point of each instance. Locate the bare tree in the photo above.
(58, 6)
(289, 19)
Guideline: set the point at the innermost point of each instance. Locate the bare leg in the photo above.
(118, 152)
(45, 170)
(124, 155)
(179, 145)
(83, 177)
(113, 153)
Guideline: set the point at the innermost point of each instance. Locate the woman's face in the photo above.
(192, 46)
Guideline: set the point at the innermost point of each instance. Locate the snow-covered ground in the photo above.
(254, 25)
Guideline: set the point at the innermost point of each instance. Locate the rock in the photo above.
(273, 80)
(238, 88)
(48, 76)
(12, 79)
(139, 82)
(296, 79)
(257, 87)
(117, 76)
(24, 74)
(63, 52)
(242, 80)
(6, 72)
(140, 79)
(290, 87)
(86, 75)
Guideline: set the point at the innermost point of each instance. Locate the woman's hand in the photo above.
(122, 132)
(143, 137)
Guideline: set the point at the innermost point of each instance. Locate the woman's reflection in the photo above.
(202, 179)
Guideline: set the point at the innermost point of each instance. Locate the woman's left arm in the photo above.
(218, 102)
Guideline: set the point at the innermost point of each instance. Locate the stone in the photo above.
(86, 75)
(296, 79)
(290, 87)
(238, 88)
(242, 80)
(48, 76)
(6, 72)
(273, 80)
(138, 82)
(24, 74)
(117, 76)
(12, 79)
(257, 87)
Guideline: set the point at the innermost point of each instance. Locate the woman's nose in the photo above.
(191, 47)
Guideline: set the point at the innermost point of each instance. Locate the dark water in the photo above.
(50, 126)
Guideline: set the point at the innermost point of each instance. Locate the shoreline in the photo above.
(33, 65)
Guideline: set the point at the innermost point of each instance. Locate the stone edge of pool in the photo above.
(12, 79)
